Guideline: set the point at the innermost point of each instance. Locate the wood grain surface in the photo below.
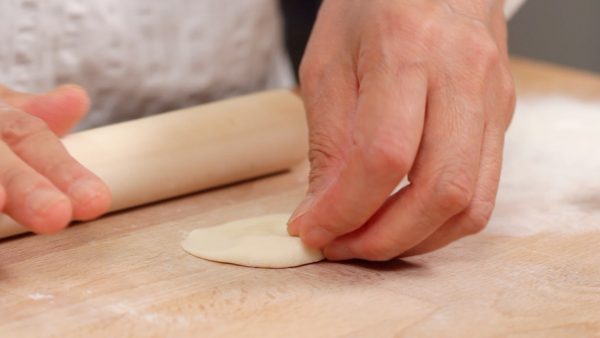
(189, 150)
(125, 275)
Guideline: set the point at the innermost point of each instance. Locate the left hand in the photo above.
(397, 88)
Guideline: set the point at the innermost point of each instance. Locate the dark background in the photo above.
(560, 31)
(299, 17)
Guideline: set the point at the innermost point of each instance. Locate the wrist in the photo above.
(488, 12)
(483, 10)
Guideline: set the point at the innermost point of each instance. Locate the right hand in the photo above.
(395, 89)
(41, 186)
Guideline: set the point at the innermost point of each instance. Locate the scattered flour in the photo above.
(40, 296)
(551, 175)
(123, 308)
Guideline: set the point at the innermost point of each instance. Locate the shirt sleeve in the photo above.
(512, 6)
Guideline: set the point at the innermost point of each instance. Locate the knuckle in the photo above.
(18, 126)
(487, 49)
(420, 22)
(323, 151)
(425, 20)
(482, 52)
(422, 25)
(510, 110)
(386, 156)
(324, 155)
(66, 170)
(429, 31)
(507, 99)
(454, 191)
(507, 90)
(478, 216)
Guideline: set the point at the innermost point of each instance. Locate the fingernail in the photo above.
(42, 200)
(302, 209)
(84, 191)
(338, 252)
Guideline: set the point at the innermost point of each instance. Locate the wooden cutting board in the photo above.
(126, 275)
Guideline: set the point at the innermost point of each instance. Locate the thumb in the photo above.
(329, 117)
(61, 108)
(378, 150)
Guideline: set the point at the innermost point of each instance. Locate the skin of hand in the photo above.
(41, 186)
(403, 88)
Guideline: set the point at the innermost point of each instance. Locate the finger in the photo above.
(477, 215)
(385, 139)
(442, 181)
(330, 100)
(61, 108)
(37, 146)
(31, 199)
(500, 105)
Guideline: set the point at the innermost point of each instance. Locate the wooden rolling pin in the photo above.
(185, 151)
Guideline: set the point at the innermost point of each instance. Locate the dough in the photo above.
(257, 242)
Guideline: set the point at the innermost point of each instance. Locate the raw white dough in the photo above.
(257, 242)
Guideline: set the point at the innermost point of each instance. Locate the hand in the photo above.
(41, 186)
(403, 88)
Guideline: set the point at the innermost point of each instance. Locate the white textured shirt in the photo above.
(141, 57)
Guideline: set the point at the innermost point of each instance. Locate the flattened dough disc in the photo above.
(257, 242)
